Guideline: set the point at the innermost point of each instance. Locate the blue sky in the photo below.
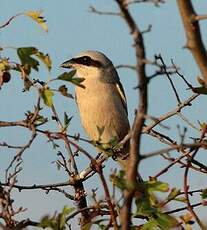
(72, 28)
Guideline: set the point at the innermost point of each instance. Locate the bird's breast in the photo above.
(100, 106)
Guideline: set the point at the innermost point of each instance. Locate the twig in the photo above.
(98, 169)
(187, 121)
(17, 157)
(9, 20)
(95, 211)
(201, 17)
(132, 67)
(185, 103)
(156, 2)
(185, 183)
(171, 164)
(94, 10)
(183, 208)
(168, 76)
(182, 76)
(4, 144)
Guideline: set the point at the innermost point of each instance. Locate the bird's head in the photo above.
(89, 64)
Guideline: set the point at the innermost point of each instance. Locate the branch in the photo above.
(193, 34)
(13, 123)
(133, 161)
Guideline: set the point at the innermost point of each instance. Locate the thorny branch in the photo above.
(136, 131)
(193, 35)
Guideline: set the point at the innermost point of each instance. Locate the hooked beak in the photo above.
(68, 64)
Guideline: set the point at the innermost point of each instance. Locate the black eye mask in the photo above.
(88, 61)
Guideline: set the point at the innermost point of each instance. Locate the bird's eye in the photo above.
(86, 60)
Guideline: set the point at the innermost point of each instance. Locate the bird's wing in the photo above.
(120, 90)
(122, 95)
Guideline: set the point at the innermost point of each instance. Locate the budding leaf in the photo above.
(173, 193)
(37, 17)
(47, 95)
(67, 119)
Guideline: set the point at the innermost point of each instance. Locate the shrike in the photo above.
(102, 103)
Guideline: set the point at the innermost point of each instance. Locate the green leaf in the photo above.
(113, 142)
(157, 186)
(200, 90)
(66, 76)
(100, 130)
(87, 226)
(64, 91)
(47, 221)
(37, 17)
(160, 222)
(150, 225)
(57, 221)
(67, 210)
(62, 216)
(24, 54)
(181, 199)
(45, 58)
(118, 179)
(204, 193)
(144, 207)
(166, 221)
(69, 76)
(47, 95)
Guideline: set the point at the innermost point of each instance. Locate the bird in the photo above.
(101, 102)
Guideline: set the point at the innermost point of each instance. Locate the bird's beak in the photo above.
(68, 64)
